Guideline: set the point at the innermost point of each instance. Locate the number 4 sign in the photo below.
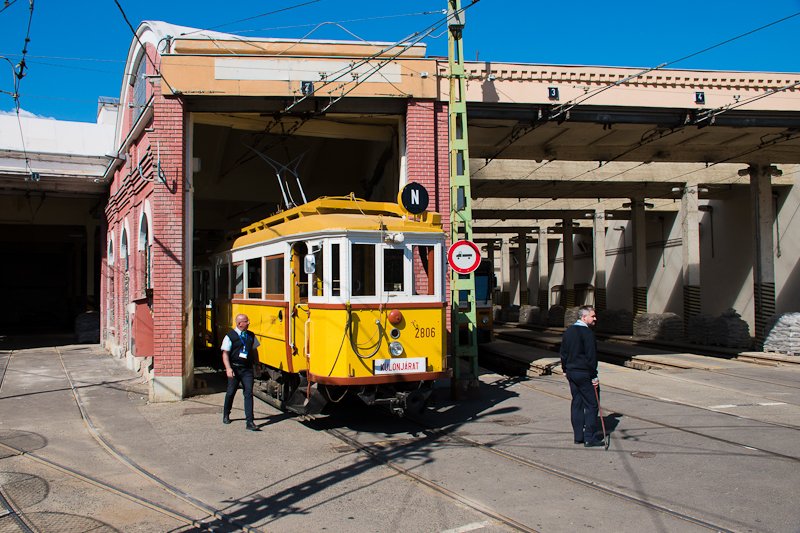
(464, 257)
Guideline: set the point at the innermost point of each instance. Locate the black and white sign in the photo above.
(414, 198)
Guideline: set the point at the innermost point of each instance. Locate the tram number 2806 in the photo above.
(425, 333)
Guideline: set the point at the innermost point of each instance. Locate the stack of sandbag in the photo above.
(662, 326)
(784, 335)
(617, 321)
(510, 313)
(87, 327)
(555, 316)
(700, 329)
(570, 316)
(730, 330)
(530, 314)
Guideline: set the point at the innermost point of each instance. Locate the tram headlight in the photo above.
(396, 349)
(485, 321)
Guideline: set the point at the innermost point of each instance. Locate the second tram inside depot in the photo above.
(346, 296)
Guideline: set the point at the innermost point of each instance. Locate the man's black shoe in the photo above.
(252, 427)
(594, 443)
(226, 419)
(578, 442)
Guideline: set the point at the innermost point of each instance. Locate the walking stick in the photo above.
(606, 437)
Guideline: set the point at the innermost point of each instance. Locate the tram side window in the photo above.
(393, 260)
(238, 280)
(336, 274)
(275, 277)
(222, 281)
(423, 258)
(254, 278)
(363, 271)
(317, 278)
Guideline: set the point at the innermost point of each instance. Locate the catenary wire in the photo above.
(288, 8)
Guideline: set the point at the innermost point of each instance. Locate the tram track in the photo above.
(186, 520)
(644, 364)
(681, 429)
(435, 434)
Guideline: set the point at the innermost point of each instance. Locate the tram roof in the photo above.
(337, 213)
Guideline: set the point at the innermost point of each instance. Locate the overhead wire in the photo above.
(289, 8)
(18, 71)
(559, 111)
(8, 4)
(144, 49)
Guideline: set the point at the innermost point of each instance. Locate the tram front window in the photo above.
(362, 282)
(393, 260)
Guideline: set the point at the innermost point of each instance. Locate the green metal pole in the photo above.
(462, 286)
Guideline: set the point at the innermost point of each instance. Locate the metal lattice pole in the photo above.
(462, 286)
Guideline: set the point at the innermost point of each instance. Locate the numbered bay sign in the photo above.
(464, 257)
(413, 198)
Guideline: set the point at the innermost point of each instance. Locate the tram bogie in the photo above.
(347, 298)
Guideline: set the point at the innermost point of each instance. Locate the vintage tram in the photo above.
(347, 298)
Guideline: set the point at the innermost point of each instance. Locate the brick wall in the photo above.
(427, 159)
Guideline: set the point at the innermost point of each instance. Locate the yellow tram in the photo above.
(346, 297)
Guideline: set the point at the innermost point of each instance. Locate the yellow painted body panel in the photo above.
(332, 354)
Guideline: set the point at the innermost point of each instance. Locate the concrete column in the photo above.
(763, 255)
(690, 237)
(544, 270)
(522, 268)
(568, 294)
(639, 257)
(91, 297)
(505, 273)
(599, 255)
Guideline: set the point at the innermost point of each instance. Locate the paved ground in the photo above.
(691, 451)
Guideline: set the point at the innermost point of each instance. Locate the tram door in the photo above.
(203, 308)
(299, 298)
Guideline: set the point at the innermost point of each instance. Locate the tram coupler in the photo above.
(402, 402)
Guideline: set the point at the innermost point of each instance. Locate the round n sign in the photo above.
(464, 257)
(414, 198)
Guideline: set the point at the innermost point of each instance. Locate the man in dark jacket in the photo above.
(239, 355)
(579, 362)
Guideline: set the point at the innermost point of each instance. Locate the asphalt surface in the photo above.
(81, 449)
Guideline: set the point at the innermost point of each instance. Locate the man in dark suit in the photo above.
(579, 363)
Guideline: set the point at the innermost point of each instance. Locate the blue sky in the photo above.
(77, 49)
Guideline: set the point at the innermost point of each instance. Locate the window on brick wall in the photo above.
(146, 254)
(123, 250)
(139, 89)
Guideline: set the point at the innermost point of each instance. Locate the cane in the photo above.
(606, 437)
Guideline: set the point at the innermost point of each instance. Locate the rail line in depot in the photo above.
(548, 346)
(553, 337)
(443, 434)
(210, 512)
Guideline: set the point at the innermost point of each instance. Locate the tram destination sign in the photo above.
(464, 257)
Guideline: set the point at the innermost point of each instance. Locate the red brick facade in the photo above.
(136, 188)
(427, 157)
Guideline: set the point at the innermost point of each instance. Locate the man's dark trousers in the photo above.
(584, 406)
(241, 375)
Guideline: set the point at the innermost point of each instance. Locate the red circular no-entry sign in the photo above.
(464, 256)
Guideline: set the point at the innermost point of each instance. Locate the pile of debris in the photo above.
(784, 335)
(662, 326)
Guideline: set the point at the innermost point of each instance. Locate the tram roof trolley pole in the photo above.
(462, 280)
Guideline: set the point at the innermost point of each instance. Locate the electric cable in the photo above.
(8, 4)
(144, 49)
(251, 18)
(564, 108)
